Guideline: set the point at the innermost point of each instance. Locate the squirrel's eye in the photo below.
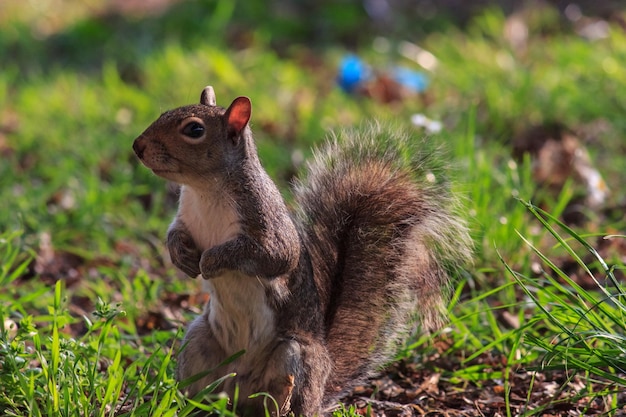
(193, 130)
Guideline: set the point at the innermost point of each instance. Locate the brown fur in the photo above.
(317, 299)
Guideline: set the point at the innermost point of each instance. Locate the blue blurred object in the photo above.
(413, 80)
(352, 72)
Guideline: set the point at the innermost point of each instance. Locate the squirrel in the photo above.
(318, 296)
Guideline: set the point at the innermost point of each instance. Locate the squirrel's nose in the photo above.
(139, 147)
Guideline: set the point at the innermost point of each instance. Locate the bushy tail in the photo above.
(383, 230)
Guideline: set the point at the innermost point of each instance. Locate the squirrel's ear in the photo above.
(208, 96)
(238, 114)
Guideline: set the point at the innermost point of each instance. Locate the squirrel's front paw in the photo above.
(188, 262)
(184, 253)
(209, 266)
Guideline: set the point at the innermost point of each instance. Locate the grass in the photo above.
(84, 330)
(581, 330)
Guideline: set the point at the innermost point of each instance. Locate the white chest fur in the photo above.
(211, 220)
(238, 312)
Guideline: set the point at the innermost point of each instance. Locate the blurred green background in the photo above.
(79, 80)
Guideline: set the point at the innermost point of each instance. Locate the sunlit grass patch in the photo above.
(577, 328)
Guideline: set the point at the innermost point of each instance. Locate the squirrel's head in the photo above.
(196, 142)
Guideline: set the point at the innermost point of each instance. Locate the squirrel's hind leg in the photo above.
(200, 352)
(293, 371)
(294, 375)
